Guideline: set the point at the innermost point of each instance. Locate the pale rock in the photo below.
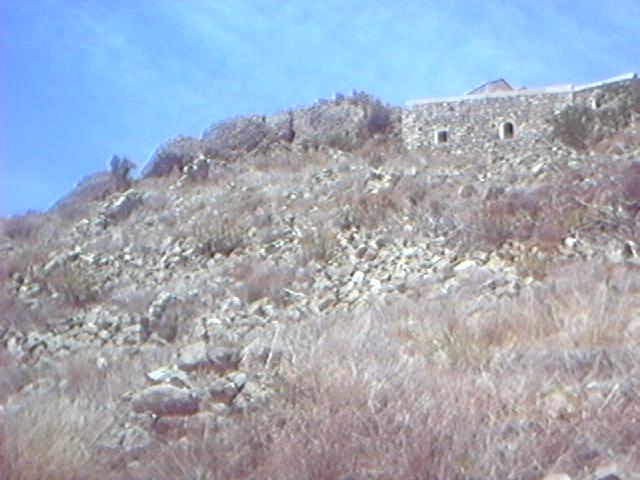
(495, 263)
(165, 314)
(134, 439)
(132, 335)
(175, 377)
(239, 380)
(358, 277)
(375, 285)
(325, 302)
(13, 347)
(559, 404)
(224, 359)
(465, 265)
(468, 191)
(231, 304)
(165, 400)
(123, 206)
(104, 335)
(102, 364)
(90, 328)
(222, 391)
(194, 356)
(40, 386)
(609, 472)
(556, 476)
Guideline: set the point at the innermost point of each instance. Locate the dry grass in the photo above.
(261, 279)
(318, 244)
(450, 388)
(51, 437)
(78, 282)
(504, 396)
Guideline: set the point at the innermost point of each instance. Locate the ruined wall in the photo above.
(473, 123)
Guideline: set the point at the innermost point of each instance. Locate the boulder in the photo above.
(201, 355)
(193, 357)
(223, 391)
(165, 375)
(123, 206)
(165, 314)
(166, 400)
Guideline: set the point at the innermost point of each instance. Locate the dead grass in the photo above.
(318, 244)
(261, 279)
(51, 437)
(453, 388)
(515, 398)
(78, 282)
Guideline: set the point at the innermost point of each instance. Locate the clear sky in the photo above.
(81, 80)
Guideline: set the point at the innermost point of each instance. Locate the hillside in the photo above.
(320, 303)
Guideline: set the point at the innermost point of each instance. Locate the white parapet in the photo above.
(554, 89)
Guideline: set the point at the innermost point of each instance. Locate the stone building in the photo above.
(494, 117)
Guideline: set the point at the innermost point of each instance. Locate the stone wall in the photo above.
(483, 123)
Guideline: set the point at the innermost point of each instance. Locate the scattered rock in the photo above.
(174, 377)
(609, 472)
(224, 359)
(239, 380)
(123, 206)
(468, 191)
(193, 357)
(165, 400)
(134, 439)
(223, 391)
(464, 265)
(494, 192)
(165, 314)
(200, 355)
(556, 476)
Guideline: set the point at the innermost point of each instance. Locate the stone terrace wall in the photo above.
(603, 94)
(473, 123)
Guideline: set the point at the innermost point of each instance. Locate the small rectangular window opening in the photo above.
(442, 136)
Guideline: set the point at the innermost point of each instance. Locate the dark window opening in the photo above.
(507, 130)
(442, 136)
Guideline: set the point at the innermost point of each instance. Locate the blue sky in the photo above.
(81, 80)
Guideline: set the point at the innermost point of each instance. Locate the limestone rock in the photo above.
(464, 265)
(165, 400)
(123, 206)
(223, 391)
(175, 377)
(165, 314)
(201, 355)
(135, 439)
(224, 359)
(609, 472)
(193, 357)
(556, 476)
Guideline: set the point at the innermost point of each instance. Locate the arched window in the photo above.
(507, 131)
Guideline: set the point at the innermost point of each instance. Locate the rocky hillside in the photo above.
(261, 307)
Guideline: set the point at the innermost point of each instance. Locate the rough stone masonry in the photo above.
(496, 118)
